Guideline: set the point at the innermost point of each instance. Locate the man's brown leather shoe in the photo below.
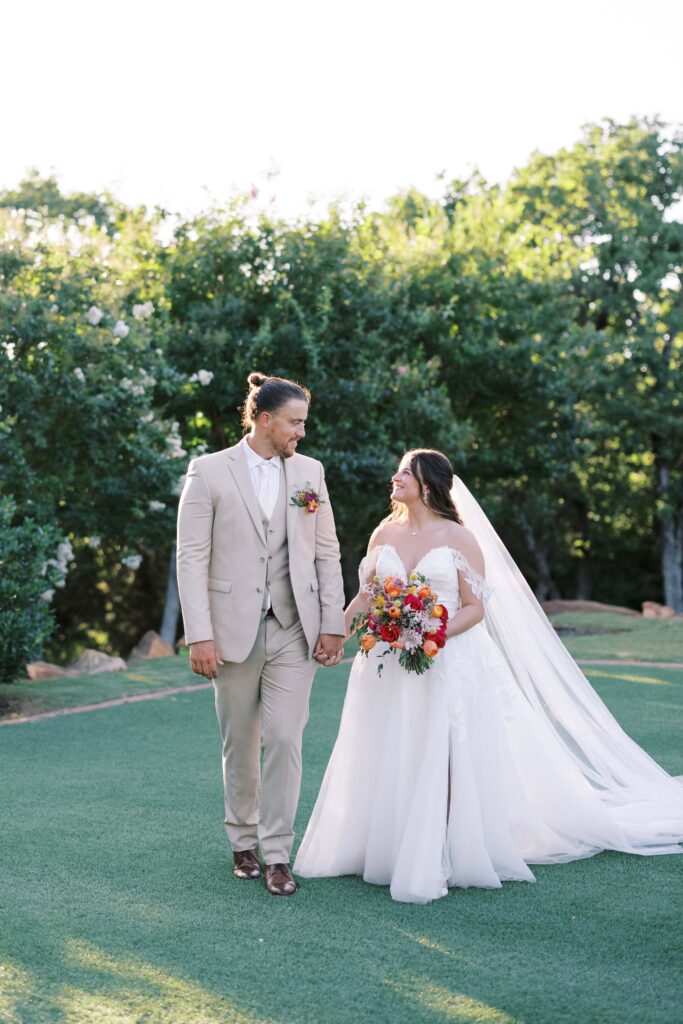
(279, 880)
(246, 864)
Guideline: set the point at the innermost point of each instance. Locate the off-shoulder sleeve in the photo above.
(368, 567)
(480, 588)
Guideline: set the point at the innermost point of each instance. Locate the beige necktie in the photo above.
(269, 486)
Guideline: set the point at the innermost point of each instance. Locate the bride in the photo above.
(501, 755)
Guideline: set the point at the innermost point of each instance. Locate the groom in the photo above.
(263, 601)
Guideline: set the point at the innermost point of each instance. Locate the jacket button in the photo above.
(259, 590)
(262, 558)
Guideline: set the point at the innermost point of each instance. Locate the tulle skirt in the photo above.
(452, 779)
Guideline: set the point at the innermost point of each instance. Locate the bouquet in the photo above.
(405, 616)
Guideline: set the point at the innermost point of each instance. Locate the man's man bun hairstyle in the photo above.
(268, 394)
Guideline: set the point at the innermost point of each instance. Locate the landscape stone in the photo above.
(557, 607)
(653, 610)
(151, 646)
(92, 661)
(39, 670)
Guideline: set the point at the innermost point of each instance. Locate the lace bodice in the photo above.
(440, 567)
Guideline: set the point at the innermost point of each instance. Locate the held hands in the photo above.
(205, 659)
(329, 649)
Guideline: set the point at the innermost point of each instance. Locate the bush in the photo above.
(29, 573)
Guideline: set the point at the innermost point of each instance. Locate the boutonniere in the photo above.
(306, 497)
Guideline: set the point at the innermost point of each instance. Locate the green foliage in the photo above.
(29, 573)
(533, 332)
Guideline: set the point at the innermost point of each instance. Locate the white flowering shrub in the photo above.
(32, 566)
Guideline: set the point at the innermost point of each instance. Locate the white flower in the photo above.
(121, 329)
(146, 379)
(94, 542)
(156, 506)
(147, 418)
(178, 486)
(47, 595)
(54, 308)
(671, 282)
(203, 376)
(177, 451)
(94, 315)
(142, 310)
(174, 442)
(78, 373)
(132, 562)
(65, 552)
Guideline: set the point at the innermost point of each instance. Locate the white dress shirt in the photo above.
(265, 476)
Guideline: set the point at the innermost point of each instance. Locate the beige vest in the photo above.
(223, 554)
(278, 582)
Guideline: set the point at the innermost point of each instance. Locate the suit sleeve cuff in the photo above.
(333, 622)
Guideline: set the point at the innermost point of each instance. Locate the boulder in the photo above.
(151, 646)
(652, 610)
(92, 661)
(557, 607)
(39, 670)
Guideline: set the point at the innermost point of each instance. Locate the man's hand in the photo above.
(329, 649)
(205, 659)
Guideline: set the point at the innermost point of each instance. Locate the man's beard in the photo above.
(285, 453)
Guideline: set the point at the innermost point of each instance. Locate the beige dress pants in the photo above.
(262, 708)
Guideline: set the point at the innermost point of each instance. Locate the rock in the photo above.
(95, 661)
(39, 670)
(652, 610)
(151, 646)
(557, 607)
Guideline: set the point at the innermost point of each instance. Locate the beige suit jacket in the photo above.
(222, 554)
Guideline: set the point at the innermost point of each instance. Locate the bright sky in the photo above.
(172, 103)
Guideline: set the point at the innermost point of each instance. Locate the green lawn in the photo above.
(618, 637)
(118, 905)
(621, 636)
(26, 697)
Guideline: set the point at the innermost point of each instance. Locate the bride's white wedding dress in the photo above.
(459, 777)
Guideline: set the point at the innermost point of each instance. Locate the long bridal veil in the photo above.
(639, 795)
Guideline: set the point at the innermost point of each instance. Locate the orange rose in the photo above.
(437, 611)
(398, 645)
(423, 593)
(430, 648)
(367, 642)
(393, 612)
(313, 506)
(392, 591)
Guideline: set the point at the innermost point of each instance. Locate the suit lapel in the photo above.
(293, 512)
(240, 471)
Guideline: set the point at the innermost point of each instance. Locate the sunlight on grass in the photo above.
(15, 986)
(436, 947)
(449, 1005)
(627, 678)
(148, 994)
